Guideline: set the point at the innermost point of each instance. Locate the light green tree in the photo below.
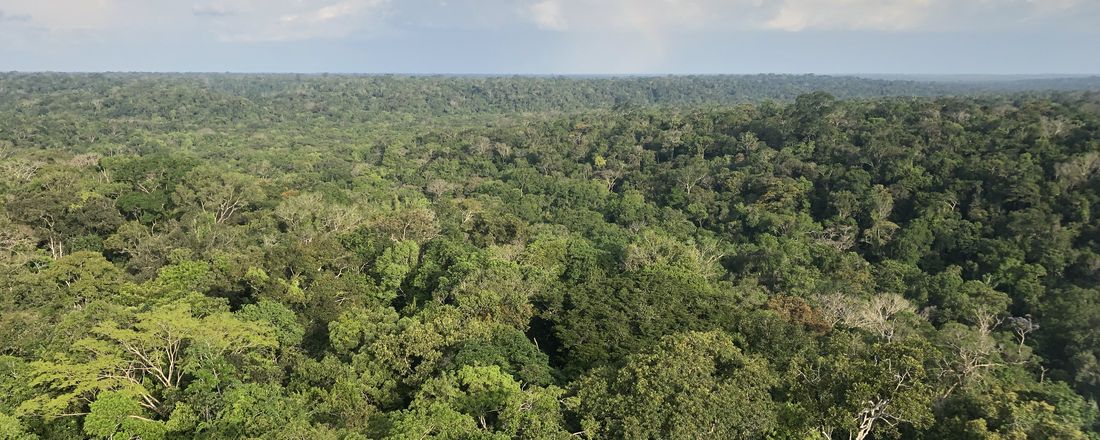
(481, 402)
(148, 361)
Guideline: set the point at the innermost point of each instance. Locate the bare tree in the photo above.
(876, 315)
(1022, 326)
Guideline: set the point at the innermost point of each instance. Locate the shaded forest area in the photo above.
(343, 257)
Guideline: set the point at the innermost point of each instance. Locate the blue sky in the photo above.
(553, 36)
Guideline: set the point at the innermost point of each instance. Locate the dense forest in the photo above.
(210, 98)
(360, 257)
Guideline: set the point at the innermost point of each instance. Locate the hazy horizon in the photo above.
(901, 76)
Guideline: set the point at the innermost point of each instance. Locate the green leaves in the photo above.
(691, 385)
(288, 331)
(865, 391)
(150, 359)
(298, 261)
(11, 429)
(360, 327)
(607, 319)
(118, 413)
(395, 264)
(480, 403)
(76, 280)
(219, 193)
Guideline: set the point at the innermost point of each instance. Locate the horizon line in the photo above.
(551, 74)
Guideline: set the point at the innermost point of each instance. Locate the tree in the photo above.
(147, 362)
(17, 242)
(12, 429)
(409, 223)
(395, 264)
(512, 351)
(309, 216)
(1009, 408)
(218, 193)
(481, 403)
(881, 229)
(117, 413)
(75, 281)
(351, 257)
(854, 392)
(608, 318)
(691, 385)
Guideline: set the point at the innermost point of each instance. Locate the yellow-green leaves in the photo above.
(118, 414)
(151, 357)
(12, 429)
(478, 402)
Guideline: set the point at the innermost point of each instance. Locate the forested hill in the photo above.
(221, 257)
(196, 97)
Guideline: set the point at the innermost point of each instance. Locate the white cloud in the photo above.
(599, 28)
(661, 16)
(280, 20)
(547, 15)
(289, 20)
(642, 35)
(64, 15)
(632, 35)
(1053, 5)
(888, 15)
(935, 15)
(328, 13)
(637, 15)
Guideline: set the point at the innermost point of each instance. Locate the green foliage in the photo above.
(75, 281)
(867, 391)
(11, 429)
(691, 385)
(358, 327)
(607, 319)
(481, 403)
(115, 413)
(395, 264)
(351, 257)
(288, 331)
(154, 357)
(510, 350)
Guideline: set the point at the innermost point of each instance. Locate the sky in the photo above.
(554, 36)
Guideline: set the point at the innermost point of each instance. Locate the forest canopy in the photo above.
(353, 257)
